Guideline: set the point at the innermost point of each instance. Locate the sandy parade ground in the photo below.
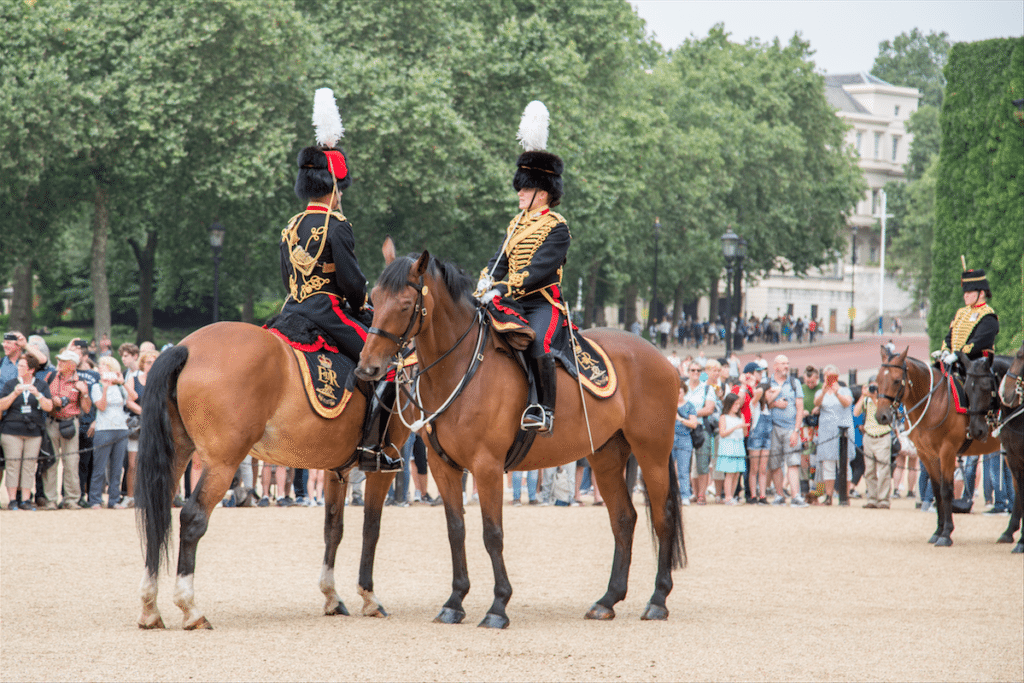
(771, 593)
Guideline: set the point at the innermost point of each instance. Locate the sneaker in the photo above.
(884, 505)
(533, 502)
(896, 494)
(684, 501)
(178, 502)
(517, 503)
(732, 501)
(798, 502)
(855, 494)
(50, 505)
(129, 501)
(426, 498)
(436, 501)
(762, 501)
(416, 498)
(779, 500)
(357, 500)
(68, 504)
(285, 502)
(302, 501)
(402, 504)
(926, 506)
(264, 502)
(27, 505)
(97, 506)
(869, 506)
(319, 502)
(994, 511)
(119, 506)
(13, 506)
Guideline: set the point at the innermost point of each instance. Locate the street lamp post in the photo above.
(652, 318)
(853, 275)
(741, 253)
(730, 246)
(216, 242)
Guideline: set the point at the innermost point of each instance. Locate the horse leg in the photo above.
(195, 518)
(490, 489)
(449, 486)
(930, 464)
(335, 490)
(607, 465)
(375, 492)
(1017, 466)
(661, 489)
(947, 468)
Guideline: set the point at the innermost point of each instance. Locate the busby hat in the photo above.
(322, 166)
(975, 280)
(537, 168)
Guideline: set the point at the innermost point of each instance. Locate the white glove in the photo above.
(484, 283)
(488, 296)
(949, 358)
(936, 354)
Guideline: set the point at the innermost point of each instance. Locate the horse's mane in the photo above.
(395, 276)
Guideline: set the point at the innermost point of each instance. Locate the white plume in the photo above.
(326, 119)
(533, 127)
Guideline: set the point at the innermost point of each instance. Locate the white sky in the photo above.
(844, 33)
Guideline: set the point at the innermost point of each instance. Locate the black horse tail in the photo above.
(673, 518)
(155, 466)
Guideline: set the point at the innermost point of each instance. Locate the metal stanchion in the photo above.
(844, 458)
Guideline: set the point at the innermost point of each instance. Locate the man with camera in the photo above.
(877, 449)
(70, 401)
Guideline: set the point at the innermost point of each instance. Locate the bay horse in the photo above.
(937, 430)
(226, 390)
(984, 376)
(432, 302)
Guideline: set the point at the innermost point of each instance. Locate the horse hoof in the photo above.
(447, 615)
(378, 611)
(338, 609)
(599, 612)
(159, 623)
(200, 623)
(934, 538)
(1005, 538)
(943, 542)
(654, 613)
(1018, 549)
(494, 621)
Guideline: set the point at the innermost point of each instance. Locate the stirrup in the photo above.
(374, 459)
(537, 418)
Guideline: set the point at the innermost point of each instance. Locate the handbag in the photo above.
(67, 428)
(697, 437)
(134, 424)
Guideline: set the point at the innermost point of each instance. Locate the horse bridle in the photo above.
(1018, 389)
(991, 413)
(419, 312)
(897, 400)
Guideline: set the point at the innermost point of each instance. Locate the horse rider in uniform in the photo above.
(319, 265)
(528, 266)
(975, 326)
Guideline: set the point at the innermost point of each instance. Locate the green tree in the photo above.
(917, 61)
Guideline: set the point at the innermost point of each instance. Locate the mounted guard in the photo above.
(526, 272)
(975, 326)
(321, 272)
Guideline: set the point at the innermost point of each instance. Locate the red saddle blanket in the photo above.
(957, 391)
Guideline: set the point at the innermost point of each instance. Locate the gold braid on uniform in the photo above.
(301, 282)
(964, 322)
(523, 243)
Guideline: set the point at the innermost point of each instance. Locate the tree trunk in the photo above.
(677, 305)
(98, 272)
(590, 299)
(713, 299)
(630, 305)
(21, 298)
(146, 259)
(249, 302)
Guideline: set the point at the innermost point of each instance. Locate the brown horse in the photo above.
(937, 430)
(984, 377)
(431, 301)
(224, 391)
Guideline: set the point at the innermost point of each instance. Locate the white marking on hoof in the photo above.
(332, 599)
(185, 598)
(150, 614)
(371, 605)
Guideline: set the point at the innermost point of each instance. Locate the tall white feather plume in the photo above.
(326, 119)
(533, 127)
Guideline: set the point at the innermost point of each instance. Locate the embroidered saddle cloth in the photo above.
(324, 369)
(596, 372)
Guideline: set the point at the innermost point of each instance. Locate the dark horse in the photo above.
(431, 301)
(937, 430)
(984, 376)
(224, 391)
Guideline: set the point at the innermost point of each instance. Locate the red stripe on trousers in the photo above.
(552, 326)
(348, 321)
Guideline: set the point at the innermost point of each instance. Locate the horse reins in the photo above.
(897, 401)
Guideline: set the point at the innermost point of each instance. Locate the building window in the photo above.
(878, 145)
(860, 141)
(874, 202)
(896, 110)
(895, 146)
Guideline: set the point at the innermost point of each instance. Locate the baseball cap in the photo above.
(70, 355)
(751, 367)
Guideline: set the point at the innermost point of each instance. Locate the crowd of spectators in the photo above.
(692, 333)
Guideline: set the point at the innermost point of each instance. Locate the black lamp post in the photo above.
(730, 246)
(853, 274)
(652, 319)
(216, 242)
(741, 253)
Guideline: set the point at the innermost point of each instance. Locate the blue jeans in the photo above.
(110, 447)
(299, 480)
(1002, 482)
(682, 453)
(531, 485)
(970, 474)
(924, 487)
(400, 487)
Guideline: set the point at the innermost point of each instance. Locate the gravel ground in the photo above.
(824, 593)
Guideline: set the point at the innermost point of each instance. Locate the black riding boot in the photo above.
(540, 416)
(372, 456)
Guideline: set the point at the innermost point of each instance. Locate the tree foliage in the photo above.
(979, 206)
(917, 61)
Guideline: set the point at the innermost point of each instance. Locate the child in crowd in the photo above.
(731, 453)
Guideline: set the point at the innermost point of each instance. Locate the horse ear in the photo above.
(421, 264)
(885, 352)
(388, 250)
(903, 356)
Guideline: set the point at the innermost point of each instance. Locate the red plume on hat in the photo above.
(323, 167)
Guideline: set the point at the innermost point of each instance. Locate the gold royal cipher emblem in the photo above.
(328, 380)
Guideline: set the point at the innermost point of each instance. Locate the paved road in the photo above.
(862, 354)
